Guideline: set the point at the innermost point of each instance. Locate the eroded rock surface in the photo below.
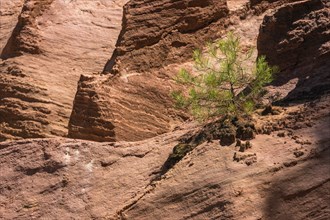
(296, 38)
(43, 53)
(62, 178)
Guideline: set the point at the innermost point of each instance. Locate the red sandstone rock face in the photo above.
(296, 38)
(43, 53)
(135, 104)
(260, 6)
(285, 175)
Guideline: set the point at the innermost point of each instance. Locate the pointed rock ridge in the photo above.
(94, 123)
(9, 12)
(52, 44)
(132, 94)
(25, 36)
(296, 39)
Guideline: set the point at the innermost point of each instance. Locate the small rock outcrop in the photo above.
(9, 13)
(296, 39)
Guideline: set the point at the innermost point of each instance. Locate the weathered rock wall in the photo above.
(54, 42)
(285, 175)
(131, 107)
(135, 104)
(260, 6)
(43, 53)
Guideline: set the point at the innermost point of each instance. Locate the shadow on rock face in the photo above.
(296, 39)
(303, 191)
(302, 194)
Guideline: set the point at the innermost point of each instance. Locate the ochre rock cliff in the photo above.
(283, 174)
(43, 53)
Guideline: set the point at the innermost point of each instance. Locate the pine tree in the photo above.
(223, 85)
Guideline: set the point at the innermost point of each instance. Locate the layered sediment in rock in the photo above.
(43, 53)
(296, 39)
(264, 3)
(156, 34)
(130, 107)
(135, 104)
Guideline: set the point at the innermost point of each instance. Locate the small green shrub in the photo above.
(223, 85)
